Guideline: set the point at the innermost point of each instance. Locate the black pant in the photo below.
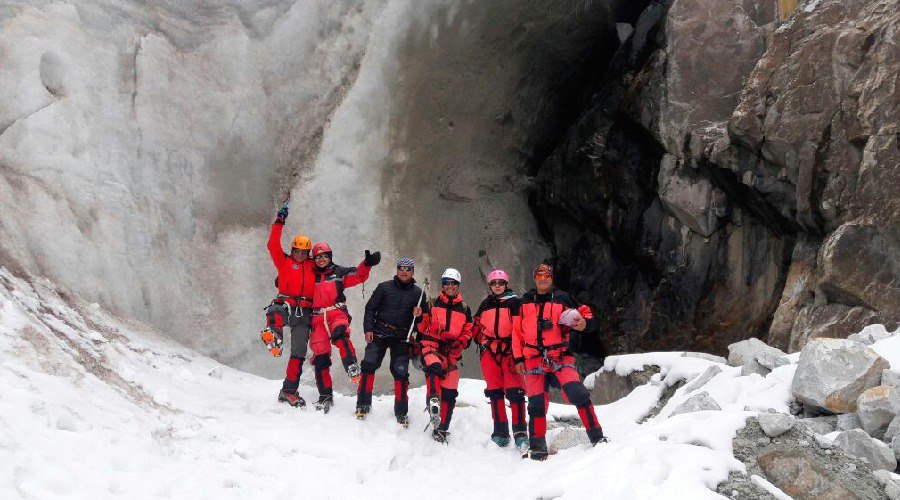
(372, 359)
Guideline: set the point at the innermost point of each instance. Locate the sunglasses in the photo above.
(297, 250)
(405, 268)
(497, 283)
(542, 276)
(448, 281)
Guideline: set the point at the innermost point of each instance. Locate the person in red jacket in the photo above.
(549, 323)
(493, 333)
(330, 320)
(291, 307)
(447, 328)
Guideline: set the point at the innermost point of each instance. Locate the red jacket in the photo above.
(331, 282)
(494, 323)
(529, 340)
(295, 279)
(447, 330)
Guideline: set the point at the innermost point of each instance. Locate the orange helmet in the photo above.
(320, 248)
(302, 242)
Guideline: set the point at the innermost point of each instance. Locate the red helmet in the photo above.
(320, 248)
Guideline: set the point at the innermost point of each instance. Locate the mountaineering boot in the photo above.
(500, 440)
(362, 411)
(291, 398)
(325, 403)
(539, 455)
(434, 412)
(354, 372)
(440, 436)
(403, 420)
(272, 340)
(521, 439)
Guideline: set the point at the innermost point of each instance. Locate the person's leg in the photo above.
(400, 371)
(514, 385)
(578, 395)
(449, 392)
(493, 377)
(536, 389)
(372, 358)
(300, 329)
(339, 328)
(321, 347)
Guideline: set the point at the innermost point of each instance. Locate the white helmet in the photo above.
(452, 274)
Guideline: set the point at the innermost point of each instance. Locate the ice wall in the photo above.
(144, 146)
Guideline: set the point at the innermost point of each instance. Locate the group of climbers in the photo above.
(311, 301)
(525, 344)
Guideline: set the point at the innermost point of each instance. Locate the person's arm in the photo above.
(274, 245)
(372, 307)
(518, 356)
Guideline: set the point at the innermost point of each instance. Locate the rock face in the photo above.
(733, 177)
(832, 373)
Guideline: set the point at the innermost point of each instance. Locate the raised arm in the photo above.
(274, 244)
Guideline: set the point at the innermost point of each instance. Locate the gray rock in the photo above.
(892, 490)
(820, 425)
(824, 442)
(859, 444)
(697, 402)
(882, 476)
(776, 424)
(890, 484)
(871, 334)
(704, 355)
(568, 437)
(848, 421)
(799, 474)
(877, 407)
(752, 349)
(702, 379)
(754, 367)
(832, 373)
(890, 377)
(895, 446)
(892, 430)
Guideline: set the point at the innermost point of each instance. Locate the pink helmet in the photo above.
(498, 274)
(320, 248)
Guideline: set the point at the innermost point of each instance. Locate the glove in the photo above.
(282, 215)
(372, 259)
(435, 369)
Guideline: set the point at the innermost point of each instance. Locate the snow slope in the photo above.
(94, 407)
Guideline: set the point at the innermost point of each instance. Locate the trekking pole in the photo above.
(413, 324)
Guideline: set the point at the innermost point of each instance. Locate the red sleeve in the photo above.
(517, 338)
(275, 250)
(360, 276)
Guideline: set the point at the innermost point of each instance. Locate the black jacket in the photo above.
(389, 309)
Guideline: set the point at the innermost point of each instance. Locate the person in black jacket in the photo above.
(392, 309)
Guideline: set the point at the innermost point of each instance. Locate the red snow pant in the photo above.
(445, 389)
(558, 371)
(500, 374)
(279, 315)
(330, 327)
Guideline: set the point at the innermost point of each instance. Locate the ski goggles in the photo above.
(497, 283)
(542, 275)
(449, 281)
(405, 268)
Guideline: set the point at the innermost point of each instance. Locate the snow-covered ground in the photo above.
(93, 407)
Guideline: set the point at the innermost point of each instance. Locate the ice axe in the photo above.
(418, 304)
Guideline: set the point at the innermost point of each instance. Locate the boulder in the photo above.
(568, 437)
(798, 473)
(877, 407)
(832, 373)
(746, 351)
(820, 425)
(848, 421)
(888, 481)
(697, 402)
(892, 430)
(871, 334)
(859, 444)
(890, 377)
(776, 424)
(702, 379)
(895, 446)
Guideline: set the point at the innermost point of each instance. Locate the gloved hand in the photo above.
(435, 369)
(282, 215)
(372, 259)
